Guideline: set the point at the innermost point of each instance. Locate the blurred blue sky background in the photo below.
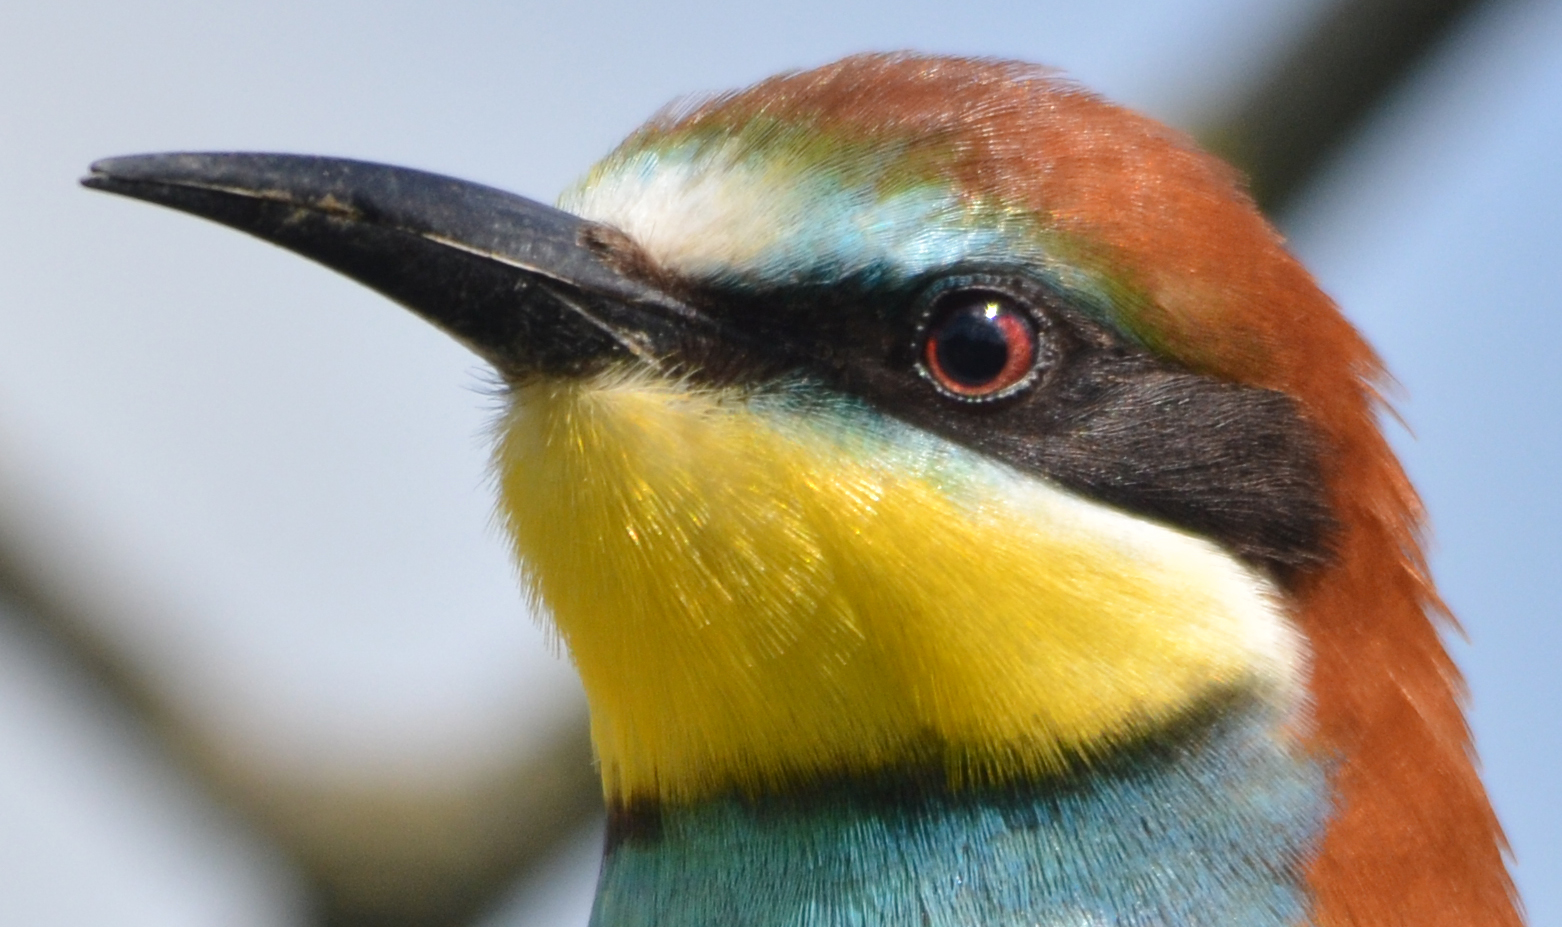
(276, 481)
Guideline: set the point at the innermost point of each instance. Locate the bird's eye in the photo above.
(981, 344)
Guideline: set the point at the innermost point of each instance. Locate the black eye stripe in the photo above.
(1094, 412)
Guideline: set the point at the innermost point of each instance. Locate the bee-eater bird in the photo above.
(959, 506)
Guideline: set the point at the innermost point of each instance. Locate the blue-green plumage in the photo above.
(1211, 825)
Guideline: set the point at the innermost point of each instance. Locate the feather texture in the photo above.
(879, 166)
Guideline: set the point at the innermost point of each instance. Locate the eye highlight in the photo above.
(980, 344)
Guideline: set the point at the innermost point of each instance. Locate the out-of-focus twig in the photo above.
(433, 857)
(376, 854)
(1315, 97)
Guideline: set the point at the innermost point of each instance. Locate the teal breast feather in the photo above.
(1210, 825)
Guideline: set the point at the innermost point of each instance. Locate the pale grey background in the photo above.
(286, 475)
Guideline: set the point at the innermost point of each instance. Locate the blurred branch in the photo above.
(49, 609)
(376, 854)
(393, 857)
(1315, 97)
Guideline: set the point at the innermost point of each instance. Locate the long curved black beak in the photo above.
(527, 287)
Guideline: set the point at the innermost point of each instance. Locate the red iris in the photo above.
(980, 344)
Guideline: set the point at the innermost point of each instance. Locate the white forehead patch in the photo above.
(717, 215)
(688, 217)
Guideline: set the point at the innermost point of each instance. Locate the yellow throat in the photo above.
(762, 587)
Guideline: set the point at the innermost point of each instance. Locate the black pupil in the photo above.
(970, 345)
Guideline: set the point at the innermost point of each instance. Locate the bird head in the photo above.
(934, 415)
(920, 487)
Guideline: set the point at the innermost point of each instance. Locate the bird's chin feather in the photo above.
(761, 585)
